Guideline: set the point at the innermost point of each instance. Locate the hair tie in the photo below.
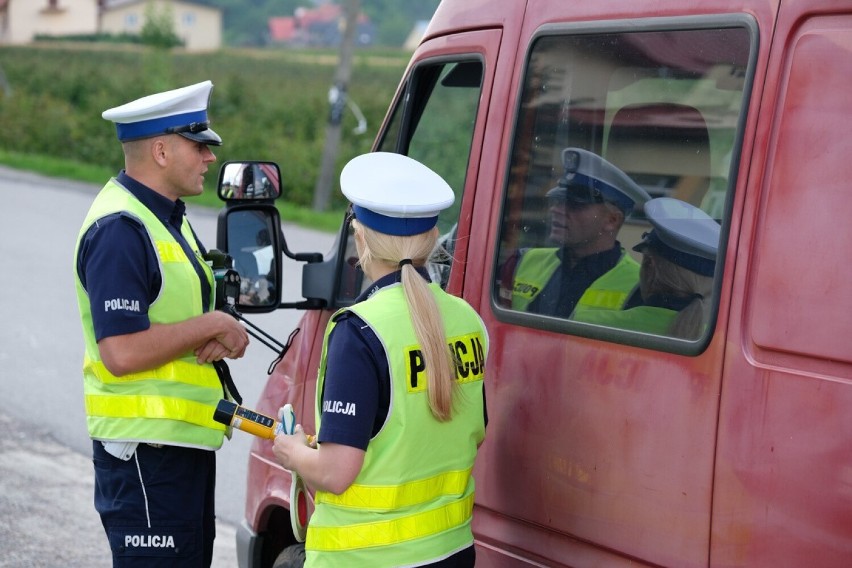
(404, 261)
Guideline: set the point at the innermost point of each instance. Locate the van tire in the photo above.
(291, 557)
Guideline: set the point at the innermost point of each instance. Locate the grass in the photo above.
(328, 221)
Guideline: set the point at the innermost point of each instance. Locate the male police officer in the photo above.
(587, 267)
(146, 296)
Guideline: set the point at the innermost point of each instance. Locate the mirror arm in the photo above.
(301, 256)
(307, 256)
(310, 304)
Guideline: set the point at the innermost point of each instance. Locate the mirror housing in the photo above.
(249, 231)
(250, 234)
(249, 182)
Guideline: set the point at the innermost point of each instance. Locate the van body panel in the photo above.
(784, 468)
(606, 447)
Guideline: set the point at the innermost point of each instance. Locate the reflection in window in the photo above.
(656, 109)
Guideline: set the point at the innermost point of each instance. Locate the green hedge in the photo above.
(266, 105)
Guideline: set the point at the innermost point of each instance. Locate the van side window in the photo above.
(606, 122)
(433, 123)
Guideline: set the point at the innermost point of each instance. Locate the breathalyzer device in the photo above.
(231, 414)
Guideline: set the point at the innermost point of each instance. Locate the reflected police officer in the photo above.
(587, 268)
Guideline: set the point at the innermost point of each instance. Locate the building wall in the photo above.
(200, 27)
(28, 18)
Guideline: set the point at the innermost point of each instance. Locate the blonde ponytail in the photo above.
(406, 253)
(666, 277)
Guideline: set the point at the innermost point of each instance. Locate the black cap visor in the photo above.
(197, 132)
(574, 194)
(205, 137)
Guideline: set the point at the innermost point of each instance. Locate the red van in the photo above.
(606, 446)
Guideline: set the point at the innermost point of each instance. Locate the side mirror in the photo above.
(249, 233)
(249, 181)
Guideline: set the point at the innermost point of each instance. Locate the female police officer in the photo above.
(676, 276)
(400, 406)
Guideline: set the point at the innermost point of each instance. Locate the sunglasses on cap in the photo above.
(574, 196)
(192, 128)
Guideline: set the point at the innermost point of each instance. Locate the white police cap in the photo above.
(588, 178)
(683, 233)
(180, 111)
(394, 194)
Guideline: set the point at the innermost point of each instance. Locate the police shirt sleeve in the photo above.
(351, 393)
(119, 271)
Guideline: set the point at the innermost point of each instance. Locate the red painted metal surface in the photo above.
(605, 454)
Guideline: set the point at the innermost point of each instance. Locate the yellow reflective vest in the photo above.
(412, 502)
(648, 319)
(609, 292)
(172, 404)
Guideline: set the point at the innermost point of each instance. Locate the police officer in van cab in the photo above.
(152, 338)
(676, 276)
(400, 394)
(585, 264)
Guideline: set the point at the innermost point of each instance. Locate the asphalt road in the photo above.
(46, 512)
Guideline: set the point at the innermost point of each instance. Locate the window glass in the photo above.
(433, 123)
(608, 121)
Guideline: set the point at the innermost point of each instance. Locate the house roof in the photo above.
(112, 4)
(324, 13)
(282, 29)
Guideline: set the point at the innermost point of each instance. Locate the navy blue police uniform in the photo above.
(156, 501)
(179, 482)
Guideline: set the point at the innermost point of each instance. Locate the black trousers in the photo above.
(157, 508)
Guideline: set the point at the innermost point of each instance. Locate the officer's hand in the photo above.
(286, 447)
(211, 351)
(227, 338)
(231, 334)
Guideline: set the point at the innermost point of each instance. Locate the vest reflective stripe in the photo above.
(170, 252)
(179, 371)
(147, 406)
(611, 290)
(118, 406)
(648, 319)
(410, 504)
(604, 299)
(384, 533)
(405, 495)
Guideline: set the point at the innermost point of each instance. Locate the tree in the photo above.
(158, 29)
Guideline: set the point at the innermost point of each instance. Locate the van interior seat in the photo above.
(663, 146)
